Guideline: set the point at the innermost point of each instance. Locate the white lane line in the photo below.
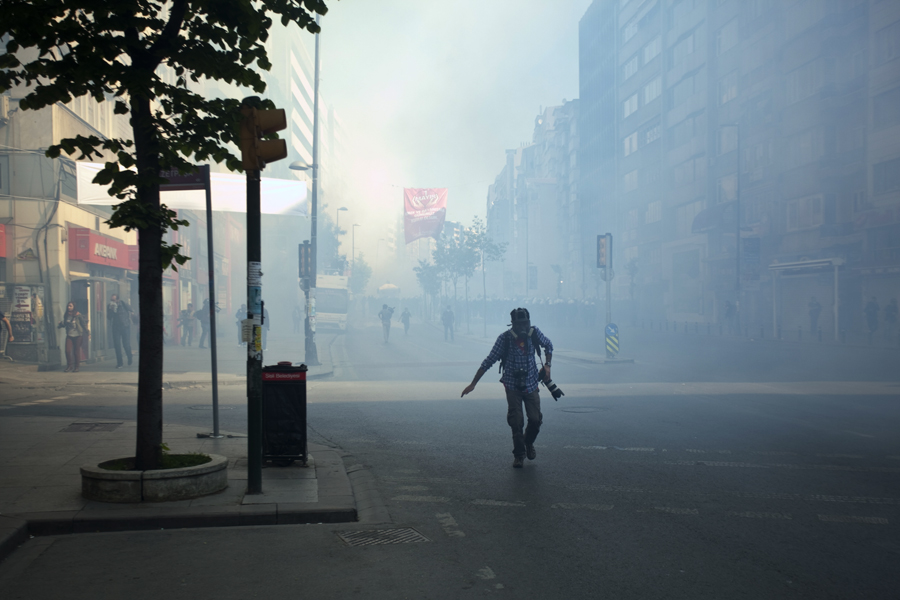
(570, 506)
(857, 499)
(25, 404)
(676, 511)
(449, 525)
(483, 502)
(60, 398)
(413, 488)
(409, 498)
(585, 448)
(852, 519)
(760, 515)
(44, 401)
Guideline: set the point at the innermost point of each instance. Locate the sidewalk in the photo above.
(183, 367)
(40, 483)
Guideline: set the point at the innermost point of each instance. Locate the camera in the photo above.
(551, 387)
(519, 379)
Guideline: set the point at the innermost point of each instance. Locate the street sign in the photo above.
(612, 340)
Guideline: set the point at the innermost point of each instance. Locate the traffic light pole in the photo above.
(312, 354)
(254, 347)
(609, 276)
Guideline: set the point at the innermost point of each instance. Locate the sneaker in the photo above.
(518, 462)
(118, 366)
(530, 452)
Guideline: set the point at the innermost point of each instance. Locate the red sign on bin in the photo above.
(276, 376)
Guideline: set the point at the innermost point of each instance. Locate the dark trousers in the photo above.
(516, 418)
(448, 330)
(73, 352)
(122, 338)
(204, 333)
(386, 329)
(187, 334)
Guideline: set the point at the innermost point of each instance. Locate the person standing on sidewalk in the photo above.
(203, 316)
(404, 318)
(187, 325)
(447, 319)
(385, 315)
(240, 315)
(815, 309)
(118, 313)
(6, 335)
(75, 326)
(515, 349)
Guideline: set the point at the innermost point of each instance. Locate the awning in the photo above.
(718, 215)
(229, 193)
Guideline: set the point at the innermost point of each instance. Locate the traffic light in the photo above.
(601, 251)
(305, 260)
(255, 151)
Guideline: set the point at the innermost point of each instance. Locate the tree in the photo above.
(430, 278)
(360, 275)
(112, 50)
(488, 251)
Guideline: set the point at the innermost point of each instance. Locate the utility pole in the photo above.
(255, 153)
(312, 354)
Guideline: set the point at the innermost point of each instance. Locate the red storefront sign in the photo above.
(289, 376)
(92, 247)
(2, 241)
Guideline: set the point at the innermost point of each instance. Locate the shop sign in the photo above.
(92, 247)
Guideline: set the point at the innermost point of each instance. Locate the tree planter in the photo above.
(160, 485)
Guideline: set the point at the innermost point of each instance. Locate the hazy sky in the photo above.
(432, 93)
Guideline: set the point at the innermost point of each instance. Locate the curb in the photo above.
(13, 532)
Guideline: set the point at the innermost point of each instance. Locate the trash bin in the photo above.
(284, 413)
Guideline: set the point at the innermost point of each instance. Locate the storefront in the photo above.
(100, 266)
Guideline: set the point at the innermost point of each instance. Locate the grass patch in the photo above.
(168, 461)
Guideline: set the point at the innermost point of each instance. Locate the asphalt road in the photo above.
(709, 468)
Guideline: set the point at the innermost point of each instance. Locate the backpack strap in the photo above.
(506, 336)
(535, 343)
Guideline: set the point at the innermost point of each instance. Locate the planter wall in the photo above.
(161, 485)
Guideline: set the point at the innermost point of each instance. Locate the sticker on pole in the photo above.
(254, 273)
(612, 340)
(246, 330)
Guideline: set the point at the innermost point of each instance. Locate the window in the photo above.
(631, 219)
(887, 176)
(651, 132)
(688, 171)
(630, 181)
(652, 49)
(682, 133)
(886, 109)
(681, 91)
(805, 147)
(727, 37)
(652, 90)
(727, 188)
(654, 212)
(630, 30)
(630, 67)
(680, 11)
(630, 105)
(756, 158)
(804, 213)
(681, 50)
(728, 139)
(728, 88)
(684, 217)
(887, 43)
(806, 80)
(631, 143)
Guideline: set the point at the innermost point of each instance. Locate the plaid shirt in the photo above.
(520, 356)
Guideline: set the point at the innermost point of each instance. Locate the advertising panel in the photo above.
(424, 212)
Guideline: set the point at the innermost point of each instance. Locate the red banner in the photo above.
(424, 211)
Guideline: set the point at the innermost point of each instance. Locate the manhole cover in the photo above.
(82, 427)
(583, 409)
(206, 407)
(382, 536)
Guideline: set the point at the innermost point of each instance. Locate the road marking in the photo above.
(838, 455)
(676, 511)
(25, 404)
(485, 573)
(852, 519)
(59, 398)
(408, 498)
(760, 515)
(569, 506)
(585, 447)
(865, 435)
(413, 488)
(44, 401)
(482, 502)
(449, 525)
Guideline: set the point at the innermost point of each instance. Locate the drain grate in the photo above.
(82, 427)
(382, 536)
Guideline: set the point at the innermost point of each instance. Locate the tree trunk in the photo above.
(468, 330)
(484, 292)
(150, 356)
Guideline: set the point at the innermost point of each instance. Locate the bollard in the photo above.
(799, 332)
(820, 335)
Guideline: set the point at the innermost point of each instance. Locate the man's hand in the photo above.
(468, 389)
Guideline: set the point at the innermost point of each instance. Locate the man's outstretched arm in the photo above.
(494, 356)
(472, 385)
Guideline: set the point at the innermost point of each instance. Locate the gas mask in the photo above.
(521, 321)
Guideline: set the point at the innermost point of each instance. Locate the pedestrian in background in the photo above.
(6, 335)
(447, 319)
(187, 325)
(871, 311)
(385, 315)
(203, 316)
(815, 309)
(118, 314)
(404, 318)
(890, 319)
(240, 315)
(75, 326)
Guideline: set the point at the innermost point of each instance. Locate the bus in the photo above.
(332, 302)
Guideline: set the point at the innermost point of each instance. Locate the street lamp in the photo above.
(737, 226)
(338, 223)
(353, 246)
